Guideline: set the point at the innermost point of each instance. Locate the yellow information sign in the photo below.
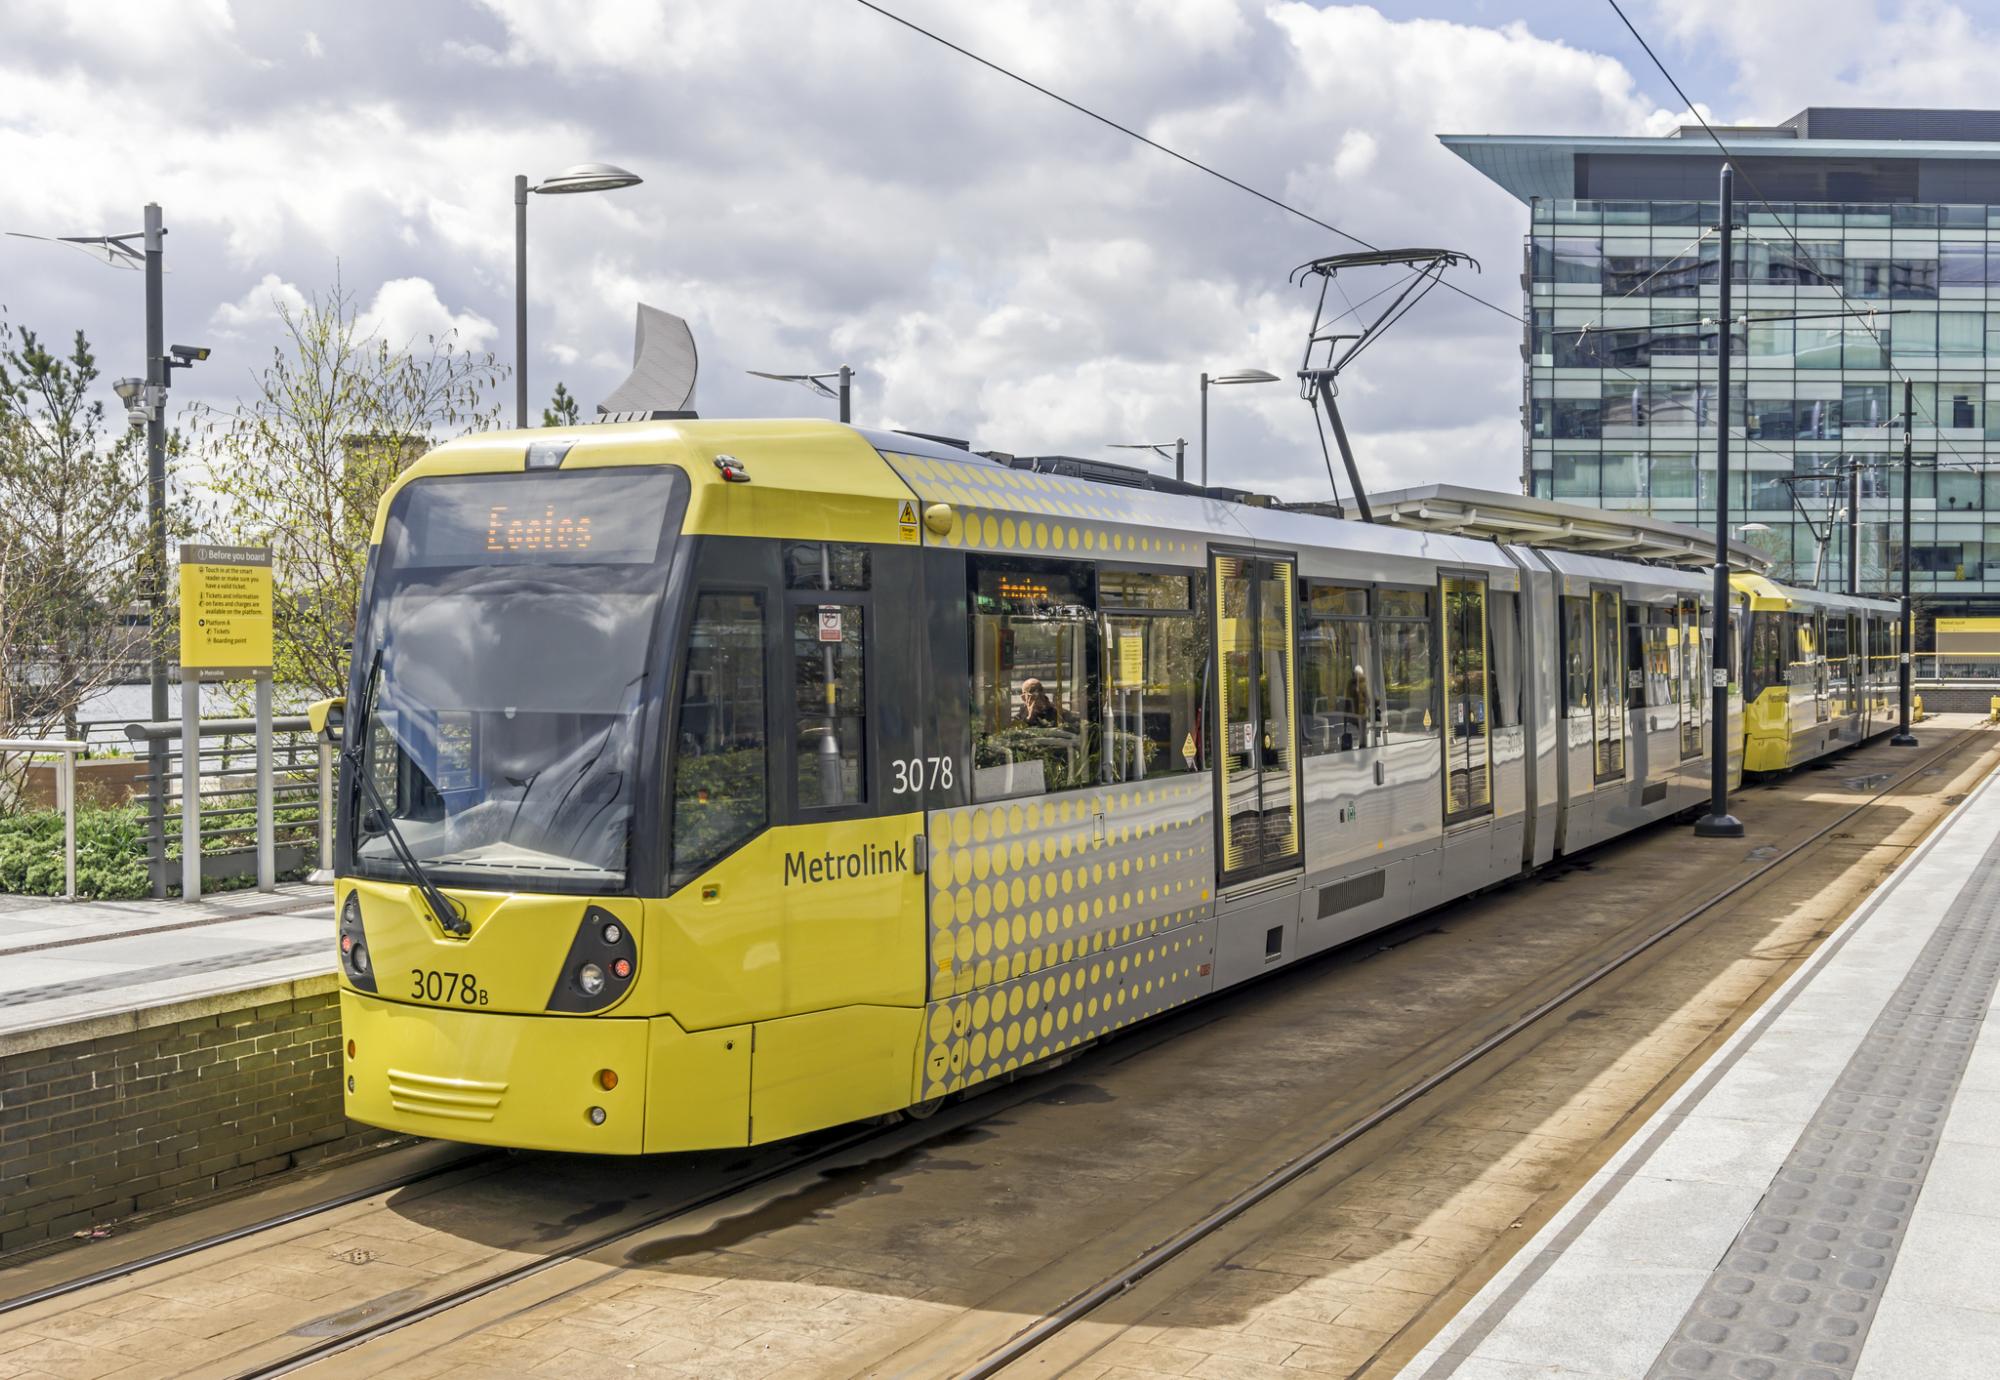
(1131, 660)
(226, 608)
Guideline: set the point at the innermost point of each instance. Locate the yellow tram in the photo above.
(711, 782)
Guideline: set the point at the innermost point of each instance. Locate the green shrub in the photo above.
(110, 853)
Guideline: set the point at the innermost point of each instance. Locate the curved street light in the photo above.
(583, 177)
(1220, 380)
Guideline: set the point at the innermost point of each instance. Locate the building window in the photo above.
(1962, 264)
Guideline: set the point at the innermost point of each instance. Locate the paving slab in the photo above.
(1819, 1202)
(66, 961)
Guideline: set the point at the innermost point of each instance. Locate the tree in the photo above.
(72, 537)
(302, 463)
(561, 410)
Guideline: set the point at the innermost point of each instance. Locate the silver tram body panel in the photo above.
(1374, 842)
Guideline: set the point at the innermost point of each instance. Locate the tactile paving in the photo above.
(1793, 1297)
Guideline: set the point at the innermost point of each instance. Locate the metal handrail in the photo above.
(65, 793)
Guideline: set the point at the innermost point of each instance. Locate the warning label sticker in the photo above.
(906, 520)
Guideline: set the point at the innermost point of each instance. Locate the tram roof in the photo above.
(1539, 522)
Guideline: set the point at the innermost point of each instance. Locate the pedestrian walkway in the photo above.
(64, 961)
(1821, 1200)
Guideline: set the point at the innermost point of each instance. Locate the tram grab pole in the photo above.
(1718, 823)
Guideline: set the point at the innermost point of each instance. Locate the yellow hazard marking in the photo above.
(906, 513)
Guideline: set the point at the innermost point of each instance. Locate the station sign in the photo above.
(225, 609)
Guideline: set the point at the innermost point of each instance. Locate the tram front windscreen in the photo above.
(505, 662)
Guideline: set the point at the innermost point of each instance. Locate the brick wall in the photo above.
(122, 1114)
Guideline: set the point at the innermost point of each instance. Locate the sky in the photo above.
(823, 186)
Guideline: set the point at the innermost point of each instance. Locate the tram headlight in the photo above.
(354, 958)
(600, 967)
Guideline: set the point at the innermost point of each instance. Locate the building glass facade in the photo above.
(1620, 406)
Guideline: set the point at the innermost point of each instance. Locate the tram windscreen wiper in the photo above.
(442, 909)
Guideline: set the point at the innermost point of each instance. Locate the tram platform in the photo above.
(1821, 1199)
(154, 1053)
(65, 961)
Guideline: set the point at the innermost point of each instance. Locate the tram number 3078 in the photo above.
(429, 984)
(911, 774)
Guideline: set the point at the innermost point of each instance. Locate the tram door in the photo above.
(1607, 618)
(1821, 673)
(1692, 674)
(1468, 776)
(1258, 775)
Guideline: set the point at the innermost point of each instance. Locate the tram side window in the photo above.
(1334, 676)
(1768, 657)
(831, 704)
(1576, 652)
(1152, 675)
(1034, 678)
(1505, 664)
(1403, 628)
(1659, 629)
(719, 798)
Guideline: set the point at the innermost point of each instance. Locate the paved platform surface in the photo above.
(64, 961)
(1821, 1200)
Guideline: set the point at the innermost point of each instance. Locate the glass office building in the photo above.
(1891, 213)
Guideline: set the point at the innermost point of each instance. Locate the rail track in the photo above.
(1039, 1333)
(784, 1169)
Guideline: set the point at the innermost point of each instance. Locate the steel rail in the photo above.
(224, 1238)
(1089, 1300)
(501, 1279)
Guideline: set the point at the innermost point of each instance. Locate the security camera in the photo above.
(188, 354)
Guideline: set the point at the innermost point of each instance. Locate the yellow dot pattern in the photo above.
(997, 1029)
(1035, 900)
(1020, 886)
(1007, 510)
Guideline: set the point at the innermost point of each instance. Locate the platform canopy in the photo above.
(1525, 521)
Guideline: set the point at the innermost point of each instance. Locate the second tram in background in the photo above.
(712, 782)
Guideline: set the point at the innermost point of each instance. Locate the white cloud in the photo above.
(824, 186)
(407, 310)
(259, 310)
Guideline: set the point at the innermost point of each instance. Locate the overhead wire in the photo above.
(1156, 145)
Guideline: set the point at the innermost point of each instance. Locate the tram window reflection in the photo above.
(826, 653)
(1033, 621)
(826, 565)
(1505, 662)
(1407, 672)
(1152, 696)
(1576, 653)
(1336, 653)
(719, 754)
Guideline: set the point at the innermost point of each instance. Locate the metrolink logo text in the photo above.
(866, 861)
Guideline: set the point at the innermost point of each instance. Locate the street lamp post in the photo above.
(584, 177)
(1718, 823)
(1220, 380)
(1905, 738)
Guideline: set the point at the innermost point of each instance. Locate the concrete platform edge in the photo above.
(165, 1013)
